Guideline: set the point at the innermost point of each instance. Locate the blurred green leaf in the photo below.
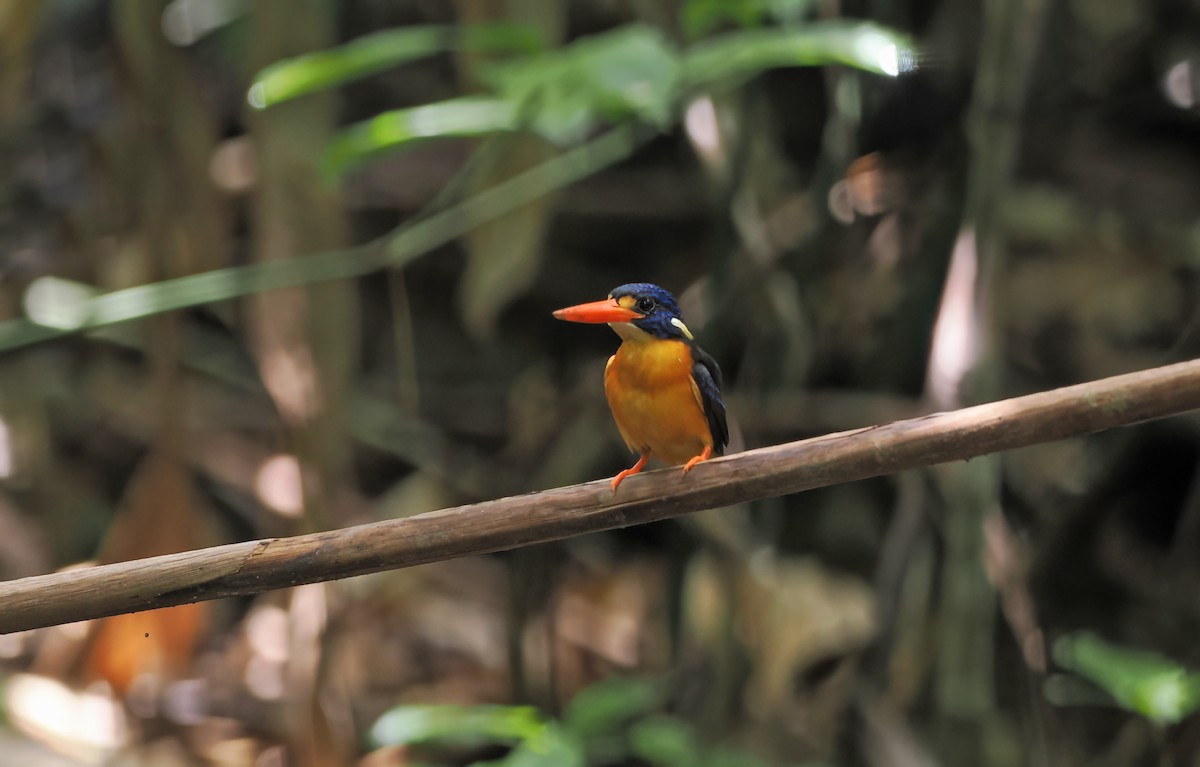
(1146, 683)
(376, 52)
(562, 95)
(729, 58)
(699, 17)
(395, 250)
(629, 73)
(665, 741)
(456, 724)
(550, 746)
(789, 11)
(401, 128)
(608, 705)
(539, 743)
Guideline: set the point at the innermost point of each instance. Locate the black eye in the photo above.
(646, 304)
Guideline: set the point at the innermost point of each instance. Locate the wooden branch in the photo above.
(508, 523)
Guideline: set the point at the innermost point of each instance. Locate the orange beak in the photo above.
(597, 312)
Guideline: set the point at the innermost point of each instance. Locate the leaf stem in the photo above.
(405, 244)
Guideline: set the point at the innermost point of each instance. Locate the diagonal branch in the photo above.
(508, 523)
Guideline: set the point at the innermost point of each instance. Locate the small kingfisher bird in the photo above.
(663, 390)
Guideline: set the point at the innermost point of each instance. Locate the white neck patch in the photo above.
(683, 328)
(630, 332)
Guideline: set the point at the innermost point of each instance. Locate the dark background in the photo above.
(1050, 151)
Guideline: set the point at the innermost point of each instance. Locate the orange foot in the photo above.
(704, 456)
(634, 469)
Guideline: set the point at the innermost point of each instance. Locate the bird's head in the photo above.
(638, 311)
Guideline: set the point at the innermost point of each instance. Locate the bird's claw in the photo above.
(704, 456)
(634, 469)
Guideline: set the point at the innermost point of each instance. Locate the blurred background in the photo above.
(281, 266)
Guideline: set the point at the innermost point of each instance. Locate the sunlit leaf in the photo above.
(456, 725)
(59, 303)
(1146, 683)
(550, 746)
(401, 128)
(565, 94)
(735, 56)
(606, 706)
(631, 73)
(376, 52)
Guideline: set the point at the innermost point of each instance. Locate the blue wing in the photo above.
(708, 380)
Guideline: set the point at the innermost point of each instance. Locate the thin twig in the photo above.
(509, 523)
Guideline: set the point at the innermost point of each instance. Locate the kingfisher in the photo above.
(663, 390)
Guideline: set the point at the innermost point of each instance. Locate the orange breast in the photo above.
(654, 402)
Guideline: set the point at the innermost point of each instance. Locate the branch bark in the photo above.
(508, 523)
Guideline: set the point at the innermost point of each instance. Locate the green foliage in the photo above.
(700, 17)
(368, 55)
(665, 741)
(71, 307)
(1143, 682)
(468, 116)
(731, 58)
(606, 706)
(457, 725)
(550, 746)
(537, 742)
(630, 74)
(610, 721)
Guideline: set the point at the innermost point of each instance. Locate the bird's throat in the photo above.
(630, 332)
